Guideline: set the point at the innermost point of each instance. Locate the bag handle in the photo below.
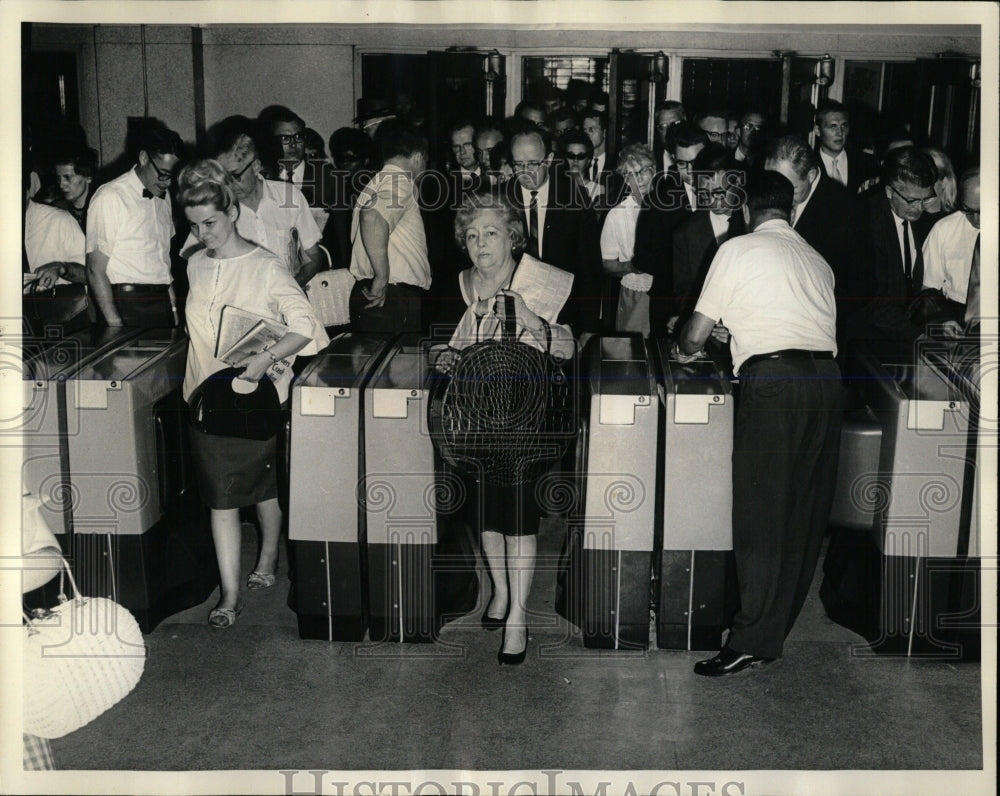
(509, 333)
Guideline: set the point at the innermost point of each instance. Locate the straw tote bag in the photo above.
(80, 658)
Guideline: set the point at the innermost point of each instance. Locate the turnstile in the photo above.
(416, 578)
(604, 587)
(46, 427)
(909, 582)
(326, 518)
(140, 532)
(696, 584)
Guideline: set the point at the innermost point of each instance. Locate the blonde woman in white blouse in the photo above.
(235, 472)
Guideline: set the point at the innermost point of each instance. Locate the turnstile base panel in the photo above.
(697, 599)
(903, 606)
(328, 594)
(400, 593)
(154, 575)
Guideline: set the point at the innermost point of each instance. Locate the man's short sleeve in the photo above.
(390, 197)
(717, 292)
(309, 232)
(105, 218)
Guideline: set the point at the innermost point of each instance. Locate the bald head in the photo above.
(968, 195)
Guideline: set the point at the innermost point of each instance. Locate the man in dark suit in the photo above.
(560, 223)
(851, 167)
(897, 228)
(829, 218)
(672, 199)
(717, 218)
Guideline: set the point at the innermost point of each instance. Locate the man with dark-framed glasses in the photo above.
(129, 227)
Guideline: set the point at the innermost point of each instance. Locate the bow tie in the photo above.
(146, 194)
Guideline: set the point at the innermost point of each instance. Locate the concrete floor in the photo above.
(256, 697)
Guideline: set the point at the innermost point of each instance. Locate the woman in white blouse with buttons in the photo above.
(235, 472)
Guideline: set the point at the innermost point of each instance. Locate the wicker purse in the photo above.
(80, 658)
(505, 410)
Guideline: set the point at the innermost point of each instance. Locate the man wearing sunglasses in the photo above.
(129, 227)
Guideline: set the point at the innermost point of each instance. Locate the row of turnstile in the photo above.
(378, 543)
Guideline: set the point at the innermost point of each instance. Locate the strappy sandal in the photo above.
(223, 618)
(259, 580)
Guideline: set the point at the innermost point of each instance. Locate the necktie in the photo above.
(146, 194)
(836, 173)
(593, 170)
(907, 257)
(286, 174)
(533, 225)
(972, 294)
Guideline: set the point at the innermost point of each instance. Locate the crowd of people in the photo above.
(720, 231)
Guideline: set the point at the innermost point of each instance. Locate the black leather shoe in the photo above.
(728, 661)
(511, 658)
(492, 623)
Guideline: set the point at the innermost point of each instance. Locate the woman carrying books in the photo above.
(232, 471)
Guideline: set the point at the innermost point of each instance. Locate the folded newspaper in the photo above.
(243, 334)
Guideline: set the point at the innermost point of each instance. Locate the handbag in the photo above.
(329, 292)
(632, 314)
(505, 410)
(217, 408)
(61, 305)
(80, 658)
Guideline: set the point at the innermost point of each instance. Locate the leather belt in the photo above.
(141, 289)
(785, 353)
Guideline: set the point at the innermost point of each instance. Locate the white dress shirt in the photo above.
(948, 255)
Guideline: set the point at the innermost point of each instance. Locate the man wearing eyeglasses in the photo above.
(714, 125)
(129, 227)
(749, 135)
(561, 226)
(667, 115)
(283, 156)
(273, 214)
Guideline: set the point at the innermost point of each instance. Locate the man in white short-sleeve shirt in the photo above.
(951, 242)
(129, 227)
(389, 244)
(774, 293)
(273, 214)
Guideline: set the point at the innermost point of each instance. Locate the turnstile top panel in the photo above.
(618, 366)
(886, 381)
(701, 377)
(126, 361)
(404, 367)
(948, 370)
(62, 358)
(345, 362)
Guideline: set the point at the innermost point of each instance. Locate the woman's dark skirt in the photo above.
(234, 472)
(510, 510)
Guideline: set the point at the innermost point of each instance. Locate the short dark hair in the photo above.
(908, 164)
(711, 114)
(524, 105)
(527, 128)
(601, 116)
(275, 114)
(795, 151)
(713, 158)
(350, 139)
(223, 136)
(82, 159)
(684, 134)
(314, 140)
(829, 106)
(671, 105)
(461, 124)
(562, 115)
(578, 137)
(156, 139)
(769, 192)
(395, 138)
(599, 97)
